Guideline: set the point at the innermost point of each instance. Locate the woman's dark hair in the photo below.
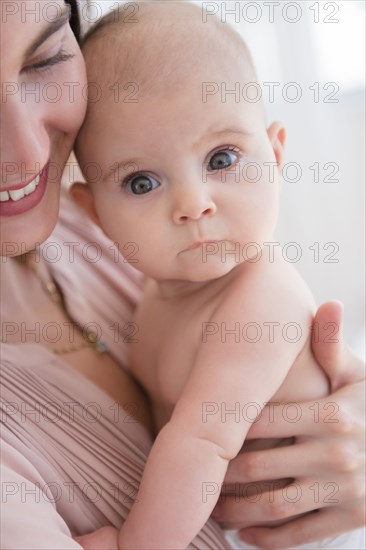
(75, 18)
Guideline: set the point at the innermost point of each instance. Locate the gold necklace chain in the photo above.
(90, 338)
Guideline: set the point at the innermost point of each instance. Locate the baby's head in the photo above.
(175, 161)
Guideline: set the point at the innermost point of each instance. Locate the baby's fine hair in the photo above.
(161, 42)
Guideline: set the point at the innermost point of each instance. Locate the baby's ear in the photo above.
(82, 194)
(277, 136)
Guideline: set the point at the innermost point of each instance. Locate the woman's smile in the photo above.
(19, 199)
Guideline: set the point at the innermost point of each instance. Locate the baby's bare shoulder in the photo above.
(269, 288)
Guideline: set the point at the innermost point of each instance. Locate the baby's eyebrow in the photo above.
(126, 165)
(214, 132)
(225, 131)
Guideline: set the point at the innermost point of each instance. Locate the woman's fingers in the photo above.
(329, 349)
(276, 505)
(301, 460)
(319, 525)
(326, 461)
(341, 415)
(323, 415)
(311, 418)
(327, 337)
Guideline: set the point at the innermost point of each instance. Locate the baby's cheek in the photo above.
(256, 221)
(114, 220)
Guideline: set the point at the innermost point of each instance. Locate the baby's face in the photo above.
(191, 183)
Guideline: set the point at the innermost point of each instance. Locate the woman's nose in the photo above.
(23, 144)
(192, 202)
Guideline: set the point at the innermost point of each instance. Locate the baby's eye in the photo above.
(222, 159)
(141, 184)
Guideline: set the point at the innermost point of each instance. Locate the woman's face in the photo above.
(42, 107)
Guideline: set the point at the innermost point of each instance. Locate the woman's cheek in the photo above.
(64, 99)
(72, 96)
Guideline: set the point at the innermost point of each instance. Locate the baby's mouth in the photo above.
(17, 194)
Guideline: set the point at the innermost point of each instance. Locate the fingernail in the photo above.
(248, 536)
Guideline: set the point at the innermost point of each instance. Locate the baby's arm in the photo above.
(188, 461)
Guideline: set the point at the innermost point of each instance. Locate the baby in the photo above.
(192, 178)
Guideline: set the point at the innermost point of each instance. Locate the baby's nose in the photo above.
(192, 204)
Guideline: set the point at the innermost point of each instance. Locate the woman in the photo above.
(76, 427)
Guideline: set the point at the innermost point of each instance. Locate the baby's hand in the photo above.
(105, 538)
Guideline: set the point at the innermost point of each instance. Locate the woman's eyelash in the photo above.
(45, 64)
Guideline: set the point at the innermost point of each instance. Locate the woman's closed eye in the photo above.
(45, 64)
(140, 184)
(223, 158)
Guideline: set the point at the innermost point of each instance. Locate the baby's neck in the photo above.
(171, 289)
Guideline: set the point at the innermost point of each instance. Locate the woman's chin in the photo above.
(24, 231)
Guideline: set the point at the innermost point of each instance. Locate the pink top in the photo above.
(71, 457)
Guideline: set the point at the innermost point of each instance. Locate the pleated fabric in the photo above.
(71, 457)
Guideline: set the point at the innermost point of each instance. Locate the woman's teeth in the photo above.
(18, 194)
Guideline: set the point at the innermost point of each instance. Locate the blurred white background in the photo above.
(319, 46)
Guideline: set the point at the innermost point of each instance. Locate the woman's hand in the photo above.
(105, 538)
(326, 462)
